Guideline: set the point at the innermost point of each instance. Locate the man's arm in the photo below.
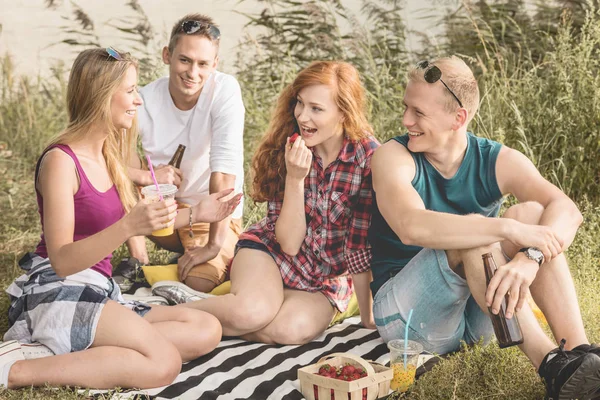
(137, 249)
(226, 151)
(142, 177)
(393, 170)
(218, 230)
(517, 175)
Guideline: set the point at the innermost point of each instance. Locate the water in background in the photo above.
(30, 31)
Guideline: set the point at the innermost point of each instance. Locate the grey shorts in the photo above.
(444, 312)
(61, 313)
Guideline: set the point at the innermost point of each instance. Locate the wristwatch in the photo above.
(533, 253)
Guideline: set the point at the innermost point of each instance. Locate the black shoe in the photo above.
(127, 272)
(570, 374)
(588, 348)
(175, 258)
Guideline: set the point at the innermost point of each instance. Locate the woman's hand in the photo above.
(217, 206)
(143, 219)
(298, 159)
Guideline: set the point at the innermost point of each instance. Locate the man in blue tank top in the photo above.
(438, 192)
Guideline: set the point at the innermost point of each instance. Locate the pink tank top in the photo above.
(94, 210)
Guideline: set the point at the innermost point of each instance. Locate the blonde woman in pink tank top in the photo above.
(67, 299)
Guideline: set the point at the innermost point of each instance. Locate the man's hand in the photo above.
(515, 277)
(195, 256)
(217, 206)
(540, 236)
(168, 174)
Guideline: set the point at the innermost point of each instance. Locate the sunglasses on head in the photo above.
(114, 54)
(434, 74)
(192, 26)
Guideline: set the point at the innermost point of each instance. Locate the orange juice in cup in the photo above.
(403, 360)
(151, 195)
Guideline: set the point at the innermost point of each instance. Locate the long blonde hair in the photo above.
(268, 164)
(93, 80)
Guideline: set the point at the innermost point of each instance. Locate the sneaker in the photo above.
(177, 293)
(570, 374)
(35, 350)
(10, 352)
(588, 348)
(175, 258)
(149, 300)
(127, 272)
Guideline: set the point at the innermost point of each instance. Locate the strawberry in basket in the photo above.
(346, 373)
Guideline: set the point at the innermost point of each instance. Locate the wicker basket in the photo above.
(377, 381)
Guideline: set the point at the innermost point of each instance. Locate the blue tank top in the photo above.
(473, 189)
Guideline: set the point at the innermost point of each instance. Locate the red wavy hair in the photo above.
(268, 163)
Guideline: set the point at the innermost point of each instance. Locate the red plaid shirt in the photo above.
(337, 204)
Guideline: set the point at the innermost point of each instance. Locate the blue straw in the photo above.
(406, 335)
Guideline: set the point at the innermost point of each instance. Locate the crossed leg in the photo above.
(255, 298)
(552, 290)
(302, 317)
(127, 351)
(260, 309)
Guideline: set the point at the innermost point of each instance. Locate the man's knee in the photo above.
(457, 257)
(169, 243)
(200, 284)
(529, 212)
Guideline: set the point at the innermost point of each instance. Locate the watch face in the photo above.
(535, 254)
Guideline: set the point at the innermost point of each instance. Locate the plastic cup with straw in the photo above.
(406, 335)
(154, 177)
(156, 192)
(404, 356)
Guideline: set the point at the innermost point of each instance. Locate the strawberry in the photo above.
(325, 370)
(348, 369)
(355, 376)
(294, 137)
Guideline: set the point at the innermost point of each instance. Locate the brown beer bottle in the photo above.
(508, 331)
(176, 159)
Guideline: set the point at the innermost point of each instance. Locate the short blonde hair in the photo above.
(177, 30)
(459, 78)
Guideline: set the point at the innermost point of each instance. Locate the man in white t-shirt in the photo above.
(201, 108)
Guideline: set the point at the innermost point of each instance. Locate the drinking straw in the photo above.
(154, 177)
(406, 335)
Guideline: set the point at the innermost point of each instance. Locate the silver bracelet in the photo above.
(191, 232)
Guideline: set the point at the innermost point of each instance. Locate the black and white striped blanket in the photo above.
(237, 369)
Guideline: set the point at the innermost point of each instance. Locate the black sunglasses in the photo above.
(192, 26)
(434, 74)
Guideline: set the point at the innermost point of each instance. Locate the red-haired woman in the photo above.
(294, 269)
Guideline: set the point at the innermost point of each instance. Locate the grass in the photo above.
(548, 108)
(473, 373)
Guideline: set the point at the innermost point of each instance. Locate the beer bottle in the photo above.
(176, 159)
(508, 331)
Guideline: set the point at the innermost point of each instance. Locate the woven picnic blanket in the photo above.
(238, 369)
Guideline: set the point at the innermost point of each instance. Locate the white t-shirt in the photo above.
(212, 132)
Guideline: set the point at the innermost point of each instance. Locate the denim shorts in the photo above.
(444, 312)
(251, 244)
